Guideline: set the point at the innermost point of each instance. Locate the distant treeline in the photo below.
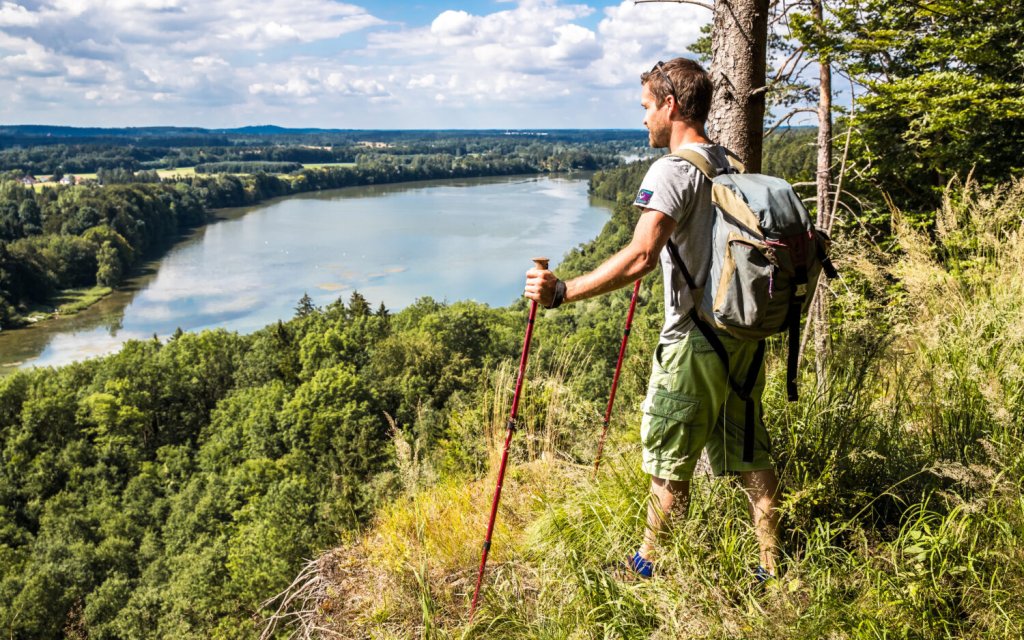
(63, 159)
(44, 135)
(53, 150)
(248, 167)
(90, 158)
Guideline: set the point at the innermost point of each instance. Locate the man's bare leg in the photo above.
(669, 500)
(762, 488)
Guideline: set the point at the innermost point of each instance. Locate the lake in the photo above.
(450, 240)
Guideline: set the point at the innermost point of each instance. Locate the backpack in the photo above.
(766, 259)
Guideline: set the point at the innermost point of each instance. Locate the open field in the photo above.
(176, 172)
(324, 165)
(44, 180)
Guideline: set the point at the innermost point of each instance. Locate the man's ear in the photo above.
(672, 104)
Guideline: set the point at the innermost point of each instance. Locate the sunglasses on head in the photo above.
(671, 85)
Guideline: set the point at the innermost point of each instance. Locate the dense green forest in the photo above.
(167, 490)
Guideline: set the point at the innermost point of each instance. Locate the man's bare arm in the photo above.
(635, 260)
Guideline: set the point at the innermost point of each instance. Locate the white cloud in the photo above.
(634, 37)
(533, 63)
(15, 15)
(574, 43)
(422, 82)
(538, 53)
(134, 54)
(297, 87)
(33, 61)
(453, 24)
(209, 62)
(515, 55)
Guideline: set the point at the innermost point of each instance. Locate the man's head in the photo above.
(680, 90)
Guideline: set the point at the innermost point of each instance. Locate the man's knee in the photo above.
(676, 488)
(760, 483)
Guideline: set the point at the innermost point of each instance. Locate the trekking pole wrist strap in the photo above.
(559, 297)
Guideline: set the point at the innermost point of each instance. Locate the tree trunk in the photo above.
(739, 43)
(820, 307)
(824, 175)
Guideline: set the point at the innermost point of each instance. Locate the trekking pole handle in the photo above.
(541, 263)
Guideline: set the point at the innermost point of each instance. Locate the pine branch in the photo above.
(787, 118)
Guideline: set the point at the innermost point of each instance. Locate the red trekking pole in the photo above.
(540, 263)
(615, 379)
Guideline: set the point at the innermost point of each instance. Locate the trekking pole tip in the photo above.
(541, 263)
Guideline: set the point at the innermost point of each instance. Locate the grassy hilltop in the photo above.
(901, 463)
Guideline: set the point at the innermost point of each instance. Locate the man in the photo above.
(688, 406)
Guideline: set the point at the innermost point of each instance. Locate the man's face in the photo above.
(656, 119)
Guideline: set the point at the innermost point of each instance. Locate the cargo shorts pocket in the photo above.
(662, 429)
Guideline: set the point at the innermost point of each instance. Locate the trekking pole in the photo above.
(615, 379)
(540, 263)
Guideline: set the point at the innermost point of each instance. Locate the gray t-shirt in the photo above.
(678, 189)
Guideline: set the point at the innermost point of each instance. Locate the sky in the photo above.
(371, 64)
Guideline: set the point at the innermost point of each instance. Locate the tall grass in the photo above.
(902, 467)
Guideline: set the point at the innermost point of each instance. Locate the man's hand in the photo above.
(633, 261)
(540, 286)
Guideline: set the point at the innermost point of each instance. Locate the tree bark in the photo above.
(739, 43)
(820, 306)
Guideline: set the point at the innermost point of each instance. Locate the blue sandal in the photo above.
(640, 565)
(762, 576)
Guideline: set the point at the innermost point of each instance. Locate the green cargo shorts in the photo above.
(689, 407)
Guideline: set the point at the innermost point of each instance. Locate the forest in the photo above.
(330, 474)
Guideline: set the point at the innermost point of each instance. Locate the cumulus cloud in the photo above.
(194, 25)
(633, 37)
(454, 24)
(540, 51)
(140, 52)
(14, 15)
(302, 61)
(519, 54)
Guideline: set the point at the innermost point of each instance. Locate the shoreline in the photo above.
(67, 302)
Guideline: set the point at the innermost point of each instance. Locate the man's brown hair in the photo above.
(687, 81)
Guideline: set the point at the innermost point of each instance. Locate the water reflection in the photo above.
(463, 239)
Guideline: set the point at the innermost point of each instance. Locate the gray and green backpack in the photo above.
(766, 259)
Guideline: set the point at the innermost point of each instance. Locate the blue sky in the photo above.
(325, 63)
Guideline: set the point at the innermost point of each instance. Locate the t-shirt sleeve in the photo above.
(668, 188)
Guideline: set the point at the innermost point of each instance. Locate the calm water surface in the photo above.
(451, 240)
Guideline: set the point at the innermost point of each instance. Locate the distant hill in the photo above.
(271, 129)
(43, 135)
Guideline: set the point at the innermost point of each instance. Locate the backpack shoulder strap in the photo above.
(698, 161)
(705, 167)
(734, 161)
